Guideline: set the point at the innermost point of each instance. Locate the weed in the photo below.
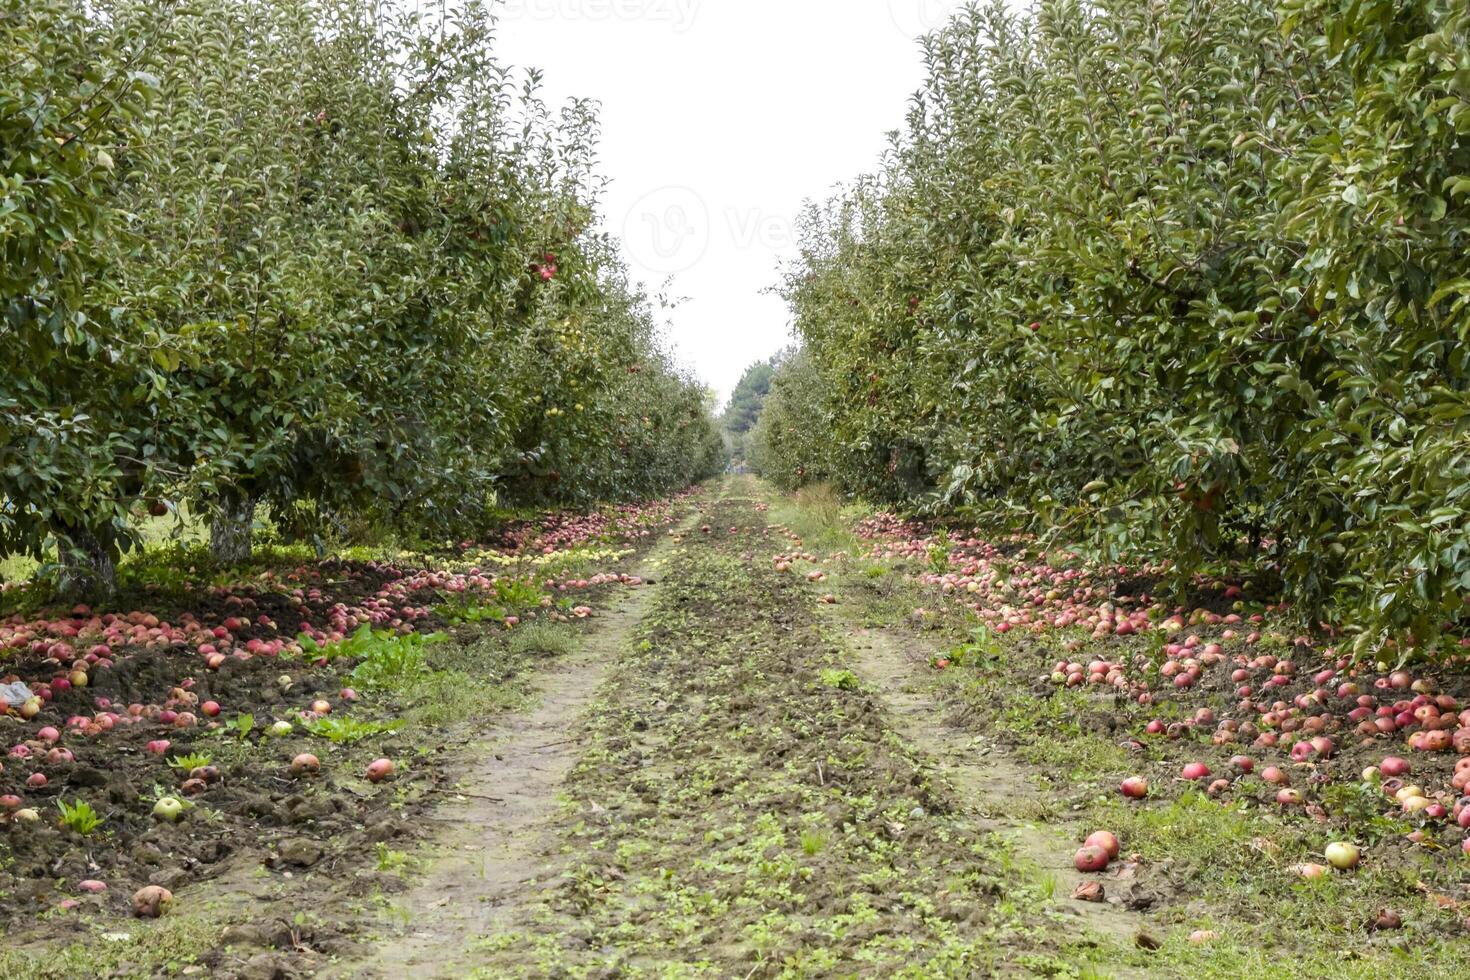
(982, 650)
(345, 731)
(390, 661)
(1362, 805)
(510, 596)
(191, 761)
(842, 680)
(391, 860)
(468, 610)
(543, 640)
(79, 818)
(939, 553)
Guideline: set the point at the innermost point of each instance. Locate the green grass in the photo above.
(134, 948)
(465, 681)
(1224, 866)
(819, 517)
(156, 533)
(542, 639)
(17, 568)
(390, 861)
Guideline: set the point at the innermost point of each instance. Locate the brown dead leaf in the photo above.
(1089, 891)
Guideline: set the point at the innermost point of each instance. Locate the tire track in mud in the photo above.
(983, 774)
(744, 808)
(486, 854)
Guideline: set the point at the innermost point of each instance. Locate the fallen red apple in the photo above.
(1090, 858)
(1196, 771)
(151, 901)
(1105, 839)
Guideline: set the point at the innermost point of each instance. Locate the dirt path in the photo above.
(742, 808)
(1000, 789)
(483, 849)
(711, 789)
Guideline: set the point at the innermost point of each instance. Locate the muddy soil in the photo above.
(728, 777)
(1002, 790)
(738, 804)
(482, 845)
(288, 873)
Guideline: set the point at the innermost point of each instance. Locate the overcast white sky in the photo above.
(719, 118)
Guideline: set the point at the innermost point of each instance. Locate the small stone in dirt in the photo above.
(300, 853)
(917, 813)
(384, 830)
(257, 935)
(316, 808)
(256, 806)
(1089, 891)
(245, 935)
(1145, 941)
(213, 852)
(265, 966)
(1141, 900)
(170, 878)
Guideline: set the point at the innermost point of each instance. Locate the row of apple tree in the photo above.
(324, 256)
(1175, 279)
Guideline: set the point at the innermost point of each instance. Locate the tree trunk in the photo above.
(88, 568)
(231, 533)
